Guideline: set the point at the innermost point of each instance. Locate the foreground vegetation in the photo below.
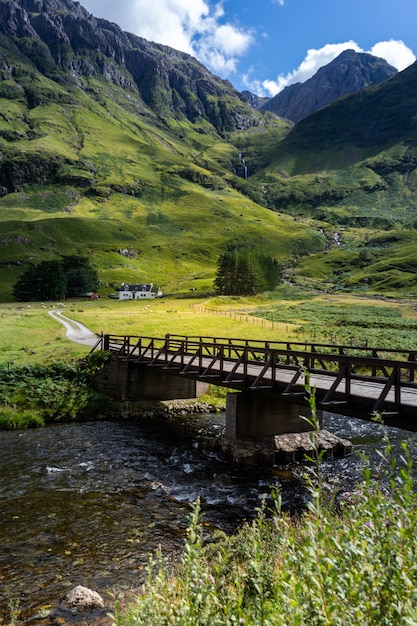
(349, 559)
(32, 396)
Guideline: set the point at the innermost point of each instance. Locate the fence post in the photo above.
(411, 357)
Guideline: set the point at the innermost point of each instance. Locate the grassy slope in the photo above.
(124, 181)
(352, 166)
(153, 200)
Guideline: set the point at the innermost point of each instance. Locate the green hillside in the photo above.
(129, 194)
(352, 167)
(96, 172)
(136, 156)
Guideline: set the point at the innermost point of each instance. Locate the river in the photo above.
(88, 503)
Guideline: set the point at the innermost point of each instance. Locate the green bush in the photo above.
(38, 395)
(13, 419)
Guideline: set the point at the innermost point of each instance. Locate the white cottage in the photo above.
(139, 292)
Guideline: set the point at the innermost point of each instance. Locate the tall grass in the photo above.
(344, 561)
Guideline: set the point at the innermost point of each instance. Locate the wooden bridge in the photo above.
(355, 381)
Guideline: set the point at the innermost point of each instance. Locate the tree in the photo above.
(55, 280)
(44, 281)
(226, 273)
(81, 277)
(241, 271)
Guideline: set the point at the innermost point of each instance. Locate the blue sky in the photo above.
(265, 45)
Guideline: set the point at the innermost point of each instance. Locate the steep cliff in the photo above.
(65, 42)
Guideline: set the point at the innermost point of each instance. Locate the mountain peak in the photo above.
(347, 73)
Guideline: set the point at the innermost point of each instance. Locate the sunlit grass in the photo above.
(170, 315)
(29, 335)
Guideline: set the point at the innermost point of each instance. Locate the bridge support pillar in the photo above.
(256, 414)
(127, 380)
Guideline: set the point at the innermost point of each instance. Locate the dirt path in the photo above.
(75, 331)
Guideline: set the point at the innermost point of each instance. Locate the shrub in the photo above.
(13, 419)
(37, 395)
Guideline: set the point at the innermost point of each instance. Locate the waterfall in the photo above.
(243, 163)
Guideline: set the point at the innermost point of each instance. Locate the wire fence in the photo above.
(239, 317)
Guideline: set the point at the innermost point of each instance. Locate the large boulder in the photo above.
(83, 599)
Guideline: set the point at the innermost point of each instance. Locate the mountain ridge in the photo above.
(154, 174)
(347, 73)
(60, 35)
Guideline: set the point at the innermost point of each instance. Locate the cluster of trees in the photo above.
(242, 271)
(68, 277)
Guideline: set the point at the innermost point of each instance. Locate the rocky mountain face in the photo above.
(348, 73)
(255, 101)
(65, 42)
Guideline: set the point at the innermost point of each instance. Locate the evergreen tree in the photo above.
(272, 271)
(44, 281)
(55, 280)
(241, 271)
(224, 274)
(81, 277)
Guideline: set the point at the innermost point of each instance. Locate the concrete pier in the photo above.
(127, 380)
(257, 414)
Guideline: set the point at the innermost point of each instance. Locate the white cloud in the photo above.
(394, 52)
(193, 26)
(200, 28)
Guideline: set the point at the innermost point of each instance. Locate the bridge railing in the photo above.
(258, 364)
(312, 355)
(366, 361)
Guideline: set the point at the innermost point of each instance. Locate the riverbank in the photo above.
(61, 393)
(94, 500)
(337, 564)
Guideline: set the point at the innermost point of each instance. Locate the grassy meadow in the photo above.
(36, 355)
(28, 335)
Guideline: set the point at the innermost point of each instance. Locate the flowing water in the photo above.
(88, 503)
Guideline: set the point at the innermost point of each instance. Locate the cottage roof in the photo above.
(136, 287)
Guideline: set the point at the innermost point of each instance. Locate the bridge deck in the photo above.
(350, 380)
